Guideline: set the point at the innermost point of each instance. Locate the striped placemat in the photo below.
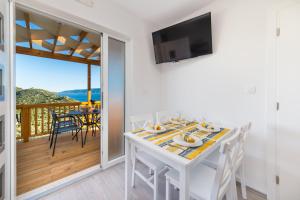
(165, 139)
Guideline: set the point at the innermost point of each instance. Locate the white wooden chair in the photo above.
(140, 121)
(164, 116)
(207, 183)
(155, 166)
(239, 166)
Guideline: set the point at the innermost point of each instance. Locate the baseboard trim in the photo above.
(262, 195)
(114, 162)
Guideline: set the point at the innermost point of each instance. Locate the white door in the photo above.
(5, 173)
(288, 124)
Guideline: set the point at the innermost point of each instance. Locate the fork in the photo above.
(179, 147)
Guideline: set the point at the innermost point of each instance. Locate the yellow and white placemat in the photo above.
(165, 139)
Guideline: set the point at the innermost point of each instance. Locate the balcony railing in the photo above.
(34, 120)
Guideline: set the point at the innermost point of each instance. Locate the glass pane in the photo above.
(116, 97)
(96, 82)
(66, 79)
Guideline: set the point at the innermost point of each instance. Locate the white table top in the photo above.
(168, 156)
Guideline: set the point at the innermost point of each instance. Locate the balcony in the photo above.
(35, 164)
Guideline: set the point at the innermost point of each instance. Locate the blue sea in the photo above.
(81, 95)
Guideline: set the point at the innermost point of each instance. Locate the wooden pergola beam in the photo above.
(89, 84)
(27, 21)
(56, 37)
(46, 54)
(81, 37)
(94, 49)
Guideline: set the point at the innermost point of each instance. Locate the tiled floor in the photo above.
(109, 185)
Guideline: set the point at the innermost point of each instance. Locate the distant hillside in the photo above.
(18, 89)
(38, 96)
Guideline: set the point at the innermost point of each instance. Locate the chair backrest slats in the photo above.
(54, 117)
(164, 116)
(139, 121)
(223, 179)
(231, 154)
(242, 140)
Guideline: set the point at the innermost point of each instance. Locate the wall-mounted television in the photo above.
(185, 40)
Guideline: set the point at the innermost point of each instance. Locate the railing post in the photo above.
(89, 86)
(29, 121)
(25, 123)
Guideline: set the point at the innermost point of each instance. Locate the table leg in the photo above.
(86, 132)
(184, 192)
(128, 168)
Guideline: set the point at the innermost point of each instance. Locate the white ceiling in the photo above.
(161, 12)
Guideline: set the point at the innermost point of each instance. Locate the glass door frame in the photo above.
(45, 13)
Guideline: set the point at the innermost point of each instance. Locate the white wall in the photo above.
(115, 19)
(217, 86)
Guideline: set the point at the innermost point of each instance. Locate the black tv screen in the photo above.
(187, 39)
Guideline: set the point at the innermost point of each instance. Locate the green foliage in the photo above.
(39, 96)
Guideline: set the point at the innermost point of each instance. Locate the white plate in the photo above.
(151, 130)
(216, 129)
(179, 140)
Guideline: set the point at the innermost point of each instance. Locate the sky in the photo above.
(53, 75)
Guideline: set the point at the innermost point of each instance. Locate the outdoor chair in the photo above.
(63, 124)
(97, 121)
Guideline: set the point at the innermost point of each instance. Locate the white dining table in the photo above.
(177, 162)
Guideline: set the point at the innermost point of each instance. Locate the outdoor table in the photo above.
(92, 121)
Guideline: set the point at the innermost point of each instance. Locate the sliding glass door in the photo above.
(116, 98)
